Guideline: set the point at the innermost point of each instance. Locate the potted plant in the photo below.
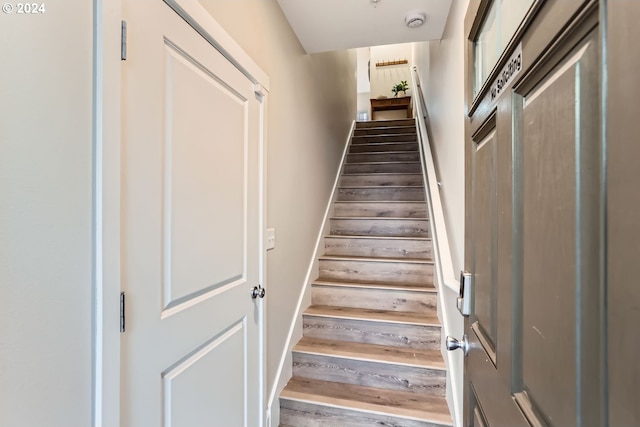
(400, 87)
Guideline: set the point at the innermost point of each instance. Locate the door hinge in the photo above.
(123, 41)
(122, 311)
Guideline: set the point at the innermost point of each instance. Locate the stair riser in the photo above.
(376, 299)
(380, 227)
(412, 156)
(381, 210)
(369, 374)
(382, 180)
(385, 123)
(393, 167)
(303, 414)
(372, 139)
(385, 130)
(401, 194)
(381, 147)
(417, 249)
(377, 272)
(382, 333)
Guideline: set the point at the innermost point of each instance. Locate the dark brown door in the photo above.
(534, 218)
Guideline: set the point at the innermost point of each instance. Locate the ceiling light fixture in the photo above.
(375, 3)
(414, 19)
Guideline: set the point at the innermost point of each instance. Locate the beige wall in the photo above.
(312, 101)
(441, 66)
(45, 216)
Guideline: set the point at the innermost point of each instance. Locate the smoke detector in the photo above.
(414, 19)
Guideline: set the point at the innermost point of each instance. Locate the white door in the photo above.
(191, 217)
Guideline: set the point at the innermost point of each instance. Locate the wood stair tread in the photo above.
(402, 317)
(421, 202)
(345, 209)
(375, 259)
(427, 287)
(366, 123)
(385, 173)
(431, 359)
(367, 399)
(383, 152)
(374, 122)
(386, 187)
(385, 124)
(381, 218)
(389, 144)
(355, 236)
(383, 139)
(384, 131)
(381, 133)
(392, 124)
(385, 135)
(413, 162)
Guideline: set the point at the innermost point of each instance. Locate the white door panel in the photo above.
(204, 179)
(191, 217)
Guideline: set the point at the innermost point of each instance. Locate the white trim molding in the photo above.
(106, 214)
(202, 21)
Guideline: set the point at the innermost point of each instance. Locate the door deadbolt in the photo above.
(465, 298)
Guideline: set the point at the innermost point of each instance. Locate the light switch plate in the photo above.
(270, 238)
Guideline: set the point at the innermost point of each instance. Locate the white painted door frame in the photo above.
(107, 89)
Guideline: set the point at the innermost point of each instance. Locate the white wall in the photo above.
(363, 82)
(45, 216)
(312, 102)
(364, 55)
(384, 78)
(441, 66)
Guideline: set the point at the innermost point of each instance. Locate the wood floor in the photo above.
(370, 352)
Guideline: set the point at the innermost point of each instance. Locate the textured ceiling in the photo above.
(326, 25)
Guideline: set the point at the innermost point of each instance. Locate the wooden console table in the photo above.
(400, 103)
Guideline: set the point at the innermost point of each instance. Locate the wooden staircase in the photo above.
(370, 352)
